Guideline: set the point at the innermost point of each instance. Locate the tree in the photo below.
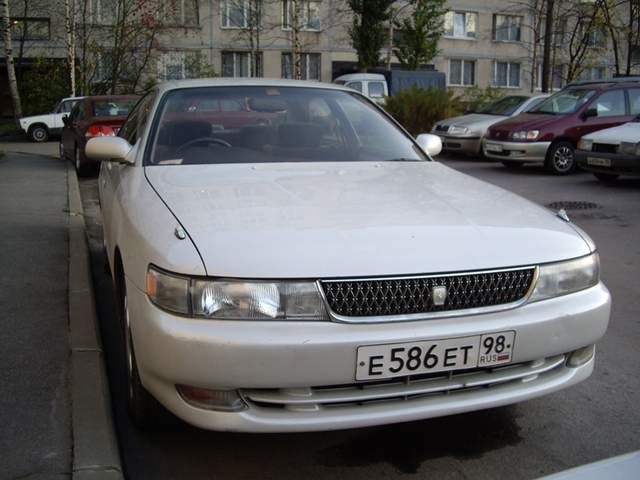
(251, 27)
(5, 30)
(621, 19)
(70, 37)
(582, 20)
(420, 33)
(367, 31)
(546, 53)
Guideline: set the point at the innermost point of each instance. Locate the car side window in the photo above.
(66, 107)
(634, 101)
(357, 86)
(74, 116)
(137, 120)
(610, 104)
(376, 89)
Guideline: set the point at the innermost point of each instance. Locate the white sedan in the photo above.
(288, 258)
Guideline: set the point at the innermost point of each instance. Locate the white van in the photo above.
(373, 85)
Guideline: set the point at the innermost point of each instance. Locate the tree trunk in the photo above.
(70, 21)
(5, 27)
(546, 52)
(296, 54)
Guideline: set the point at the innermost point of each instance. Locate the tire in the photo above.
(144, 410)
(561, 158)
(38, 133)
(81, 168)
(512, 165)
(606, 177)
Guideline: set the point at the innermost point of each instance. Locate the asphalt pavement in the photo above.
(596, 419)
(35, 406)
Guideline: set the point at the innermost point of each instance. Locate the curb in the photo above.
(95, 447)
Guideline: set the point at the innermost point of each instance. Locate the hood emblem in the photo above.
(562, 213)
(439, 295)
(179, 233)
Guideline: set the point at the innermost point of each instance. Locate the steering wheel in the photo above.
(202, 140)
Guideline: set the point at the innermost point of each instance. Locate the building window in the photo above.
(235, 13)
(308, 17)
(30, 29)
(593, 73)
(462, 72)
(181, 12)
(309, 66)
(597, 37)
(172, 66)
(103, 12)
(240, 64)
(507, 28)
(460, 24)
(506, 74)
(557, 77)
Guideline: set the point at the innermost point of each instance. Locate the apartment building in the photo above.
(485, 43)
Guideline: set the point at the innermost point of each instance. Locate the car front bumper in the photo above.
(285, 361)
(466, 145)
(524, 152)
(619, 164)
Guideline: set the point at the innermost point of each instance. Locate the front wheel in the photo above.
(144, 410)
(39, 134)
(561, 158)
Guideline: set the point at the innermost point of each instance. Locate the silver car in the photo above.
(287, 258)
(464, 134)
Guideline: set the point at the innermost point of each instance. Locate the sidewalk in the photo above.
(35, 406)
(22, 145)
(55, 409)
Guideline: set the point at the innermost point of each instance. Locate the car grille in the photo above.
(400, 389)
(604, 148)
(414, 295)
(442, 128)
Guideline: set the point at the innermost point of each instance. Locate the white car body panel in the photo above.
(628, 132)
(319, 220)
(53, 121)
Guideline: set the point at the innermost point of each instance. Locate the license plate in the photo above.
(493, 147)
(429, 356)
(599, 162)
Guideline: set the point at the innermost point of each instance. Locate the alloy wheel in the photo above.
(39, 134)
(563, 158)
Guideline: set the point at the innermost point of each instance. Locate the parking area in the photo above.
(597, 419)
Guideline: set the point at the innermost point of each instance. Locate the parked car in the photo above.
(39, 128)
(314, 273)
(465, 133)
(612, 152)
(550, 132)
(377, 86)
(96, 116)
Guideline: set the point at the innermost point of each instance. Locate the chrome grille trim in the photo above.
(313, 398)
(426, 315)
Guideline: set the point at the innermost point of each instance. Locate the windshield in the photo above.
(565, 101)
(214, 125)
(113, 107)
(504, 106)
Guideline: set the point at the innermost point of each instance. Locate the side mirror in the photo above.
(113, 149)
(431, 144)
(590, 112)
(65, 119)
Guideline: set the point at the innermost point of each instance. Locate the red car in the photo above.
(550, 132)
(97, 116)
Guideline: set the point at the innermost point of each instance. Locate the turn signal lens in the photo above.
(585, 144)
(170, 292)
(220, 400)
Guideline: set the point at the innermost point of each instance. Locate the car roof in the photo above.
(360, 76)
(609, 83)
(246, 82)
(112, 97)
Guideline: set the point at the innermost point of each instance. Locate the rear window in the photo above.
(113, 108)
(564, 102)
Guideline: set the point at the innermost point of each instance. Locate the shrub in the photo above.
(43, 86)
(418, 109)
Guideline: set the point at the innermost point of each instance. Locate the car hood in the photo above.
(628, 132)
(319, 220)
(527, 121)
(474, 121)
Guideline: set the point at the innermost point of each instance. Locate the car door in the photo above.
(68, 136)
(610, 109)
(111, 173)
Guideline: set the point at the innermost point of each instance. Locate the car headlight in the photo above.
(585, 144)
(456, 130)
(562, 278)
(630, 148)
(526, 135)
(235, 299)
